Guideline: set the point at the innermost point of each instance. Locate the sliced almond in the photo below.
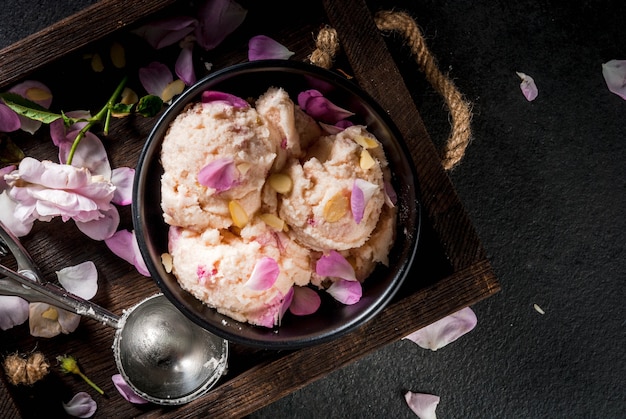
(366, 142)
(280, 182)
(118, 57)
(96, 63)
(243, 168)
(367, 161)
(238, 214)
(336, 207)
(50, 314)
(174, 88)
(129, 96)
(37, 94)
(167, 261)
(273, 221)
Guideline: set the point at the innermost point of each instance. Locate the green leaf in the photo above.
(121, 109)
(149, 105)
(9, 152)
(27, 108)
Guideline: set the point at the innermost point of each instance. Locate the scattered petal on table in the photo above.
(614, 73)
(444, 331)
(13, 311)
(81, 280)
(125, 390)
(528, 87)
(423, 405)
(81, 406)
(263, 47)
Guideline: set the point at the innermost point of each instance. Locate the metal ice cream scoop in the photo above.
(163, 356)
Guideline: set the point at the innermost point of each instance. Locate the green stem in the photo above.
(105, 112)
(91, 383)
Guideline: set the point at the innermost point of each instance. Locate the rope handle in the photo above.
(327, 47)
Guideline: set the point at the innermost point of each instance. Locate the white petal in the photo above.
(444, 331)
(13, 311)
(528, 87)
(81, 406)
(81, 279)
(423, 405)
(614, 73)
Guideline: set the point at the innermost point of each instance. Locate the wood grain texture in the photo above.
(256, 377)
(70, 34)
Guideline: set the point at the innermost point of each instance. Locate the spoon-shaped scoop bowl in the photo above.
(163, 356)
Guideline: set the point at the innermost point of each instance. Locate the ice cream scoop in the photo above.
(162, 355)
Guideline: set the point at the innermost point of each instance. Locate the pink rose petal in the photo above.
(9, 120)
(334, 265)
(264, 274)
(4, 171)
(528, 87)
(90, 154)
(346, 292)
(125, 390)
(101, 228)
(124, 245)
(263, 47)
(81, 406)
(184, 66)
(357, 203)
(210, 96)
(220, 174)
(34, 91)
(362, 192)
(44, 327)
(217, 20)
(13, 311)
(423, 405)
(391, 198)
(122, 178)
(321, 109)
(330, 129)
(305, 301)
(81, 279)
(155, 77)
(10, 218)
(165, 32)
(44, 190)
(614, 73)
(59, 132)
(444, 331)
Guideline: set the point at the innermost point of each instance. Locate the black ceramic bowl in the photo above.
(333, 319)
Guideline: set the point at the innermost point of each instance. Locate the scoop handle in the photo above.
(34, 291)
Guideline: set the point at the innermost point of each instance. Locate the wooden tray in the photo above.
(451, 271)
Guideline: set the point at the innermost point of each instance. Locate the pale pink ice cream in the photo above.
(213, 256)
(329, 170)
(214, 266)
(203, 133)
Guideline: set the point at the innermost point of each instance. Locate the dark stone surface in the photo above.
(544, 183)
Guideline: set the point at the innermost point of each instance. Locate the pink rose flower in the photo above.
(44, 190)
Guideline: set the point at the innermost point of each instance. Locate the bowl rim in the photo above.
(158, 131)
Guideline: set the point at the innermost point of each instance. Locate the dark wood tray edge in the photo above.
(70, 34)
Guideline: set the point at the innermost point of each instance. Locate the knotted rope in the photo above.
(327, 46)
